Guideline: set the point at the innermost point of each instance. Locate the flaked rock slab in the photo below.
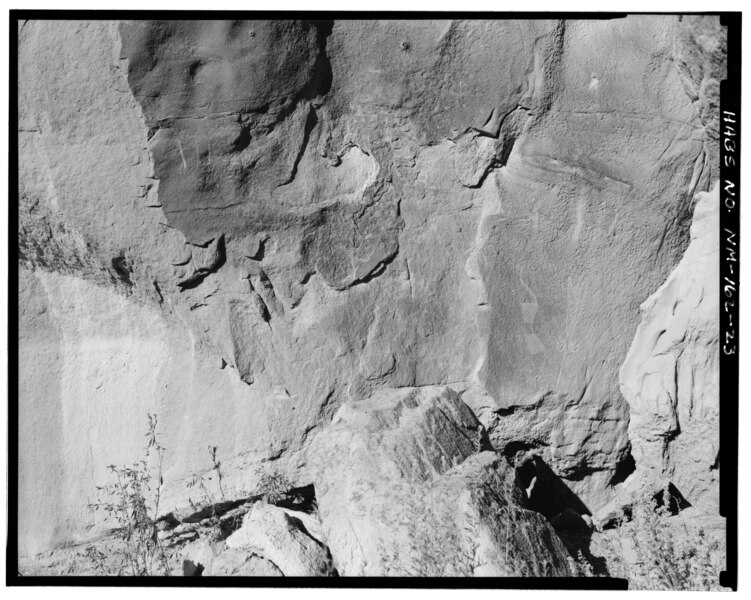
(240, 563)
(406, 486)
(278, 536)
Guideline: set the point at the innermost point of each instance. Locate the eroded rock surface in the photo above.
(670, 375)
(282, 538)
(247, 226)
(407, 486)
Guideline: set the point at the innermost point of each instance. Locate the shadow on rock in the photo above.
(549, 495)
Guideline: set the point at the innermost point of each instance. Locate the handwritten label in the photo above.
(729, 234)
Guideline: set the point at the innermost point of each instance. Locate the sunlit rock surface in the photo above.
(670, 375)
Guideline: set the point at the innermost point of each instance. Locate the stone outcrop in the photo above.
(670, 375)
(249, 227)
(281, 538)
(406, 485)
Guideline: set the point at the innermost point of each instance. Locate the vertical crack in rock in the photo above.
(310, 123)
(321, 83)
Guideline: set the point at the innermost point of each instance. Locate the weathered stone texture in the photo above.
(406, 486)
(248, 227)
(670, 377)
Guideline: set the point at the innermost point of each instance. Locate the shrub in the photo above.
(133, 505)
(656, 551)
(198, 480)
(273, 485)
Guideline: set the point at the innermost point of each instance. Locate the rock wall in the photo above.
(245, 226)
(670, 377)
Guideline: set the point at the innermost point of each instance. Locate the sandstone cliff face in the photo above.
(670, 375)
(248, 227)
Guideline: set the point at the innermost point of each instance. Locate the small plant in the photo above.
(97, 558)
(657, 551)
(217, 467)
(200, 481)
(128, 502)
(210, 500)
(274, 486)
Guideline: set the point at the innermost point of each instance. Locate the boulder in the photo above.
(208, 559)
(239, 563)
(406, 485)
(281, 538)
